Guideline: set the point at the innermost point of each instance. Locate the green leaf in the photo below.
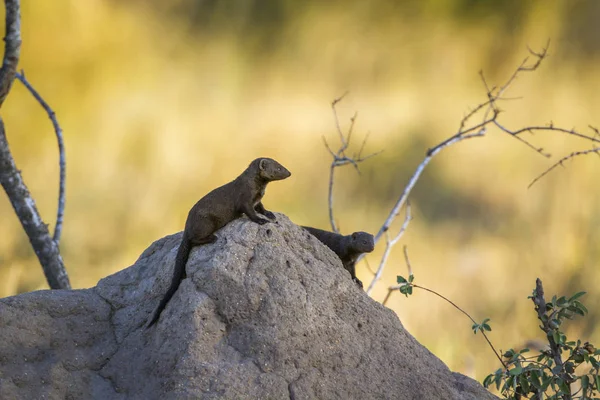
(564, 388)
(534, 379)
(576, 296)
(509, 383)
(487, 327)
(546, 380)
(561, 301)
(556, 337)
(497, 379)
(509, 353)
(597, 380)
(569, 367)
(515, 371)
(580, 306)
(524, 383)
(400, 279)
(585, 380)
(411, 278)
(488, 380)
(579, 311)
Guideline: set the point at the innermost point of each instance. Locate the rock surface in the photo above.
(267, 312)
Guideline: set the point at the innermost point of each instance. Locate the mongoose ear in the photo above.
(262, 164)
(354, 235)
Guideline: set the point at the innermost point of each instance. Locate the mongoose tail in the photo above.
(183, 254)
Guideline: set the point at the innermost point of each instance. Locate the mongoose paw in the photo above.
(261, 221)
(358, 282)
(269, 214)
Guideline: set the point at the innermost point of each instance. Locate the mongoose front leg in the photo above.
(251, 213)
(261, 209)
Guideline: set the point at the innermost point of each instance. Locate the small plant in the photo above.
(549, 375)
(405, 286)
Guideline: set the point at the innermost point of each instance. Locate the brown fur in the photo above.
(241, 196)
(348, 248)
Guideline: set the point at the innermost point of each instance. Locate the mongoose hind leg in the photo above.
(205, 240)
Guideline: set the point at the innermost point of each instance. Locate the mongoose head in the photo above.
(271, 170)
(363, 242)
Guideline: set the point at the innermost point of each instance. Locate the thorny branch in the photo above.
(466, 131)
(562, 160)
(10, 178)
(61, 151)
(489, 113)
(340, 157)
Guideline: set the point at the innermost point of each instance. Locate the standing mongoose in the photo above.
(348, 248)
(215, 210)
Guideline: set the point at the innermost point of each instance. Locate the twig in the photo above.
(397, 287)
(12, 49)
(562, 160)
(337, 120)
(330, 198)
(61, 151)
(388, 247)
(532, 129)
(340, 158)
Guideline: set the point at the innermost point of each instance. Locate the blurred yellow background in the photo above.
(162, 103)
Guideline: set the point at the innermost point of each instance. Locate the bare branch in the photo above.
(466, 131)
(551, 127)
(405, 249)
(415, 177)
(12, 49)
(45, 248)
(340, 158)
(562, 160)
(330, 198)
(337, 120)
(61, 152)
(389, 243)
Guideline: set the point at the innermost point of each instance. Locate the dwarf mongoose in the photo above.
(215, 210)
(348, 248)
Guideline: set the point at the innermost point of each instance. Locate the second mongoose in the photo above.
(219, 207)
(348, 248)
